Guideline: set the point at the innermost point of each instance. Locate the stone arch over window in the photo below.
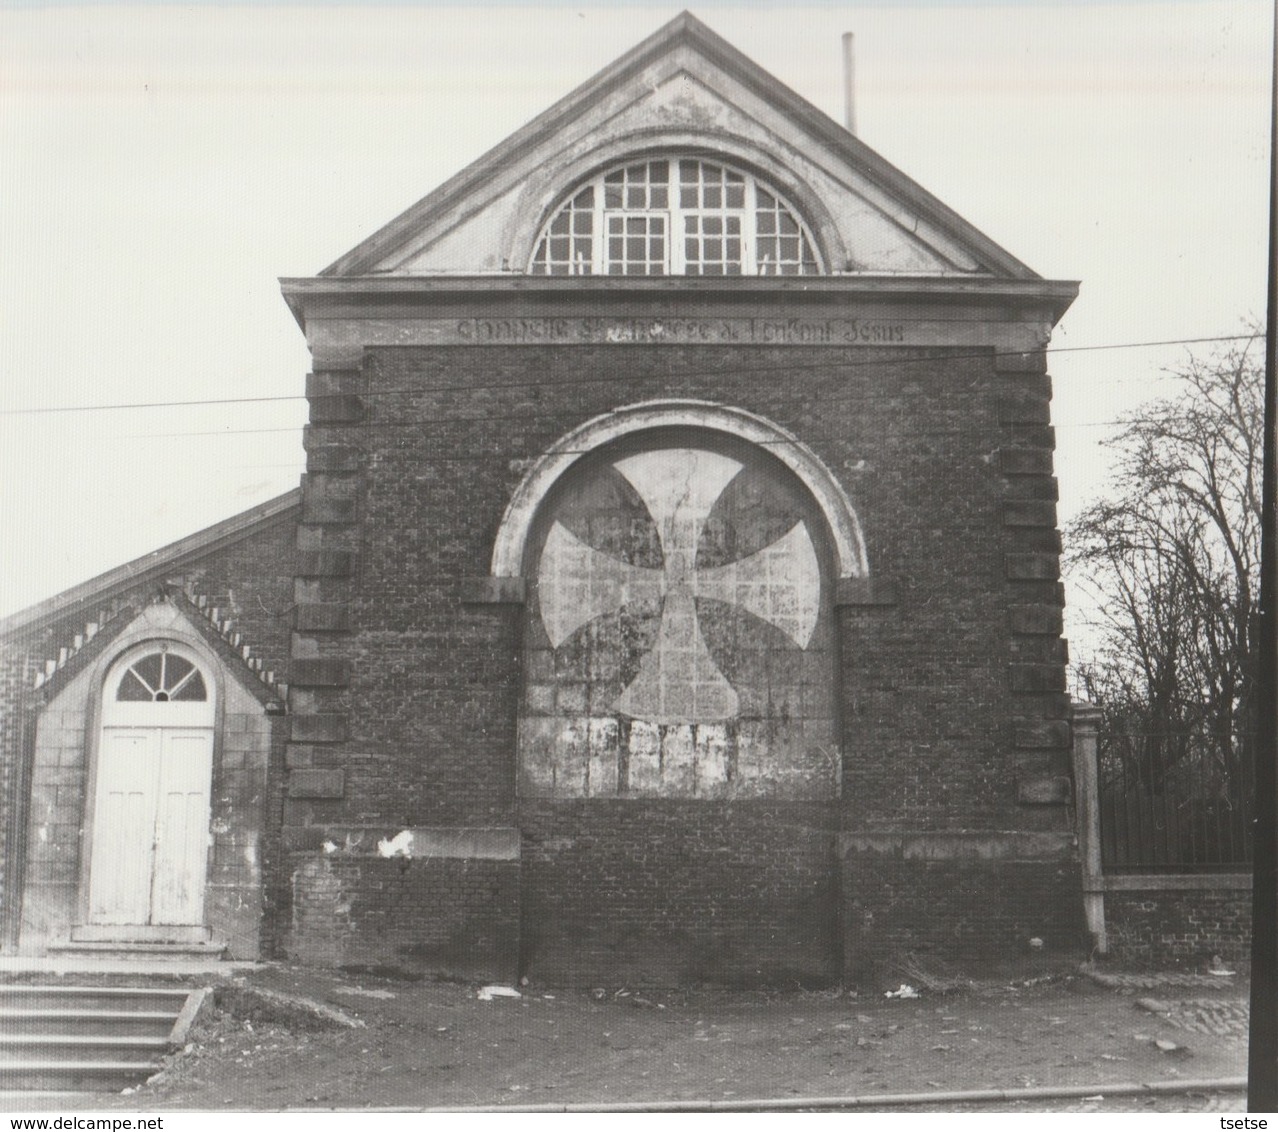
(511, 545)
(675, 213)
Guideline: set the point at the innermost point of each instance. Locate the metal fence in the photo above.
(1173, 804)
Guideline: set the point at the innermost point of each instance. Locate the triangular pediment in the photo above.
(683, 90)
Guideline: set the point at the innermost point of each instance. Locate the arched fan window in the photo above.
(675, 216)
(161, 676)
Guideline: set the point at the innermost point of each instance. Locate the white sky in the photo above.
(164, 166)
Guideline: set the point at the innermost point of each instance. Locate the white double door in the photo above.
(151, 826)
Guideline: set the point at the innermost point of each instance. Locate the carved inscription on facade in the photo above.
(678, 643)
(678, 331)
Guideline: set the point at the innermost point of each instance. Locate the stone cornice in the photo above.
(375, 296)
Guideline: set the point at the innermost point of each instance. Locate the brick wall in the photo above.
(647, 893)
(1185, 928)
(957, 909)
(950, 676)
(453, 917)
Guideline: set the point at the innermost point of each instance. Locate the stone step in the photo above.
(25, 1049)
(90, 1038)
(149, 952)
(86, 1021)
(72, 1076)
(42, 996)
(140, 933)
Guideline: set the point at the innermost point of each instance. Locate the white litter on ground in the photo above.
(367, 992)
(487, 994)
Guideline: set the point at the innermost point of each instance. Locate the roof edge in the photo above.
(150, 565)
(390, 235)
(686, 27)
(1058, 294)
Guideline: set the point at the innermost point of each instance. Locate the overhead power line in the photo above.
(787, 368)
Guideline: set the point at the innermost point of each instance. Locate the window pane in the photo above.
(193, 689)
(132, 689)
(176, 668)
(781, 245)
(148, 669)
(612, 189)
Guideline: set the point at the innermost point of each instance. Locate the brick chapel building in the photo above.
(672, 594)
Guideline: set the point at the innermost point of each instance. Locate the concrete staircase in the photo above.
(87, 1038)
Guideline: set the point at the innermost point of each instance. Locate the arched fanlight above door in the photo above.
(161, 676)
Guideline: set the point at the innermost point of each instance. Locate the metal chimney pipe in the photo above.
(849, 82)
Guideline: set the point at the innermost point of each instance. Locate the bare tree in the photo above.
(1170, 560)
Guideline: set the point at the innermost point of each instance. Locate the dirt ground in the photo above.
(438, 1045)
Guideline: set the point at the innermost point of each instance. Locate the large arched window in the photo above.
(675, 216)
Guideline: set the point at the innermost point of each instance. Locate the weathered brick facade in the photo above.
(669, 628)
(949, 686)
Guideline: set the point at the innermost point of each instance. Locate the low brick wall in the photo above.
(1150, 923)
